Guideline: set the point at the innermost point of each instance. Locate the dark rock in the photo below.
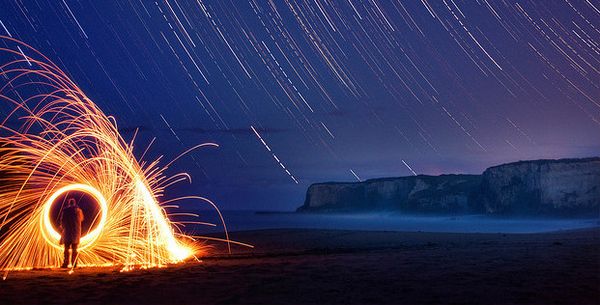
(417, 194)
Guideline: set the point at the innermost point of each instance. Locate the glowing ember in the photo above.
(64, 144)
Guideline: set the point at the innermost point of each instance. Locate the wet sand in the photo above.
(345, 267)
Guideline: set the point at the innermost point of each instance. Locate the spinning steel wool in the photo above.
(64, 144)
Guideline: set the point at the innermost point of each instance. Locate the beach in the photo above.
(309, 266)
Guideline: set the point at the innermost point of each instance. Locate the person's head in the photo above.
(71, 202)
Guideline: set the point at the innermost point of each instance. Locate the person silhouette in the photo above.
(70, 223)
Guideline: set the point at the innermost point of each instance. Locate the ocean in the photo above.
(253, 220)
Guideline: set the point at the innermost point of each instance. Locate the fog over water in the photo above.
(251, 220)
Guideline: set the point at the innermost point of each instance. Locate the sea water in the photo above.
(252, 220)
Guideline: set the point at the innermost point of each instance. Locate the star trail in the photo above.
(380, 88)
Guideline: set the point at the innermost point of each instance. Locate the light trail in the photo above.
(65, 143)
(443, 71)
(355, 175)
(75, 18)
(409, 168)
(273, 154)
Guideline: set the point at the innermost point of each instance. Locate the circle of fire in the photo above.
(52, 236)
(64, 142)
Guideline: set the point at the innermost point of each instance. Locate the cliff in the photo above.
(448, 193)
(540, 187)
(567, 186)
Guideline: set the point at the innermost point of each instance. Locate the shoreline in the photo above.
(311, 266)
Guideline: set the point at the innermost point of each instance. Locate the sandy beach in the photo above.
(345, 267)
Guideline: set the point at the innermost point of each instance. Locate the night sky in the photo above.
(304, 91)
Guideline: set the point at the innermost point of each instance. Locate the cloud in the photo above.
(234, 131)
(131, 129)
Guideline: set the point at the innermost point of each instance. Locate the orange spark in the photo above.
(65, 143)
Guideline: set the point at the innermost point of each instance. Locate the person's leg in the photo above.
(66, 256)
(74, 254)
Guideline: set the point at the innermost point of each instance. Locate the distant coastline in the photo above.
(545, 187)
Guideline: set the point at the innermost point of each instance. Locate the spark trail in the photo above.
(63, 142)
